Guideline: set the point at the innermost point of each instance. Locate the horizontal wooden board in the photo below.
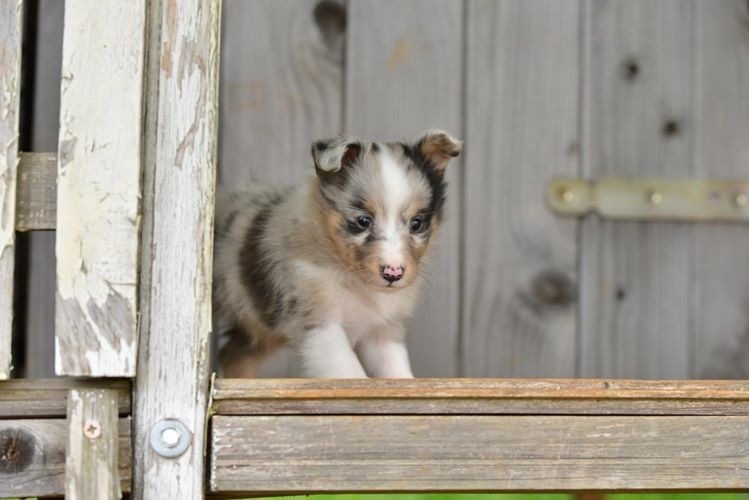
(47, 398)
(36, 196)
(32, 457)
(479, 396)
(477, 453)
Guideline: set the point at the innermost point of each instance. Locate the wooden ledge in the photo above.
(479, 396)
(47, 398)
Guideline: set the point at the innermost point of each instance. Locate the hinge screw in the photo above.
(654, 197)
(566, 195)
(741, 200)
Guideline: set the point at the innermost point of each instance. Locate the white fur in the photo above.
(327, 352)
(384, 354)
(395, 198)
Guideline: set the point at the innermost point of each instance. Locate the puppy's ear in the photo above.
(438, 147)
(335, 155)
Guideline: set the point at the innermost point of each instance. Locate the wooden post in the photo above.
(91, 469)
(177, 244)
(98, 182)
(10, 82)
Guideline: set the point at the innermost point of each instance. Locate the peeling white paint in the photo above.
(10, 70)
(98, 200)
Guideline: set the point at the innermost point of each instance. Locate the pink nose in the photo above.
(392, 273)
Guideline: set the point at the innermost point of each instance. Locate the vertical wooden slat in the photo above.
(10, 80)
(175, 293)
(404, 75)
(281, 89)
(635, 276)
(98, 187)
(91, 465)
(522, 129)
(720, 305)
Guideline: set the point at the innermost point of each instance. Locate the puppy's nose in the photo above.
(392, 273)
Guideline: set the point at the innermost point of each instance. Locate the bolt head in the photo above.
(170, 437)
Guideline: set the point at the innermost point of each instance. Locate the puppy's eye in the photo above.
(417, 224)
(364, 221)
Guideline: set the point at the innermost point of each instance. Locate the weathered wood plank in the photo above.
(272, 108)
(403, 76)
(36, 196)
(91, 455)
(47, 398)
(98, 188)
(522, 106)
(634, 276)
(720, 294)
(32, 457)
(10, 79)
(479, 396)
(477, 453)
(178, 208)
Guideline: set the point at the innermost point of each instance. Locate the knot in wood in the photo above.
(330, 17)
(671, 128)
(630, 69)
(16, 450)
(553, 288)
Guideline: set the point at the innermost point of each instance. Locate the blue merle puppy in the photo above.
(334, 266)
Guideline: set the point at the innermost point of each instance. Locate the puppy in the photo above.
(332, 267)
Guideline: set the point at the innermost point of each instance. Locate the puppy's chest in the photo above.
(360, 314)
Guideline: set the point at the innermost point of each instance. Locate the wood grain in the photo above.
(98, 188)
(476, 453)
(47, 398)
(720, 295)
(274, 107)
(403, 76)
(32, 457)
(522, 105)
(635, 277)
(177, 242)
(10, 79)
(36, 196)
(479, 396)
(91, 455)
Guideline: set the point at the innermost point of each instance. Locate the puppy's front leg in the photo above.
(326, 352)
(384, 353)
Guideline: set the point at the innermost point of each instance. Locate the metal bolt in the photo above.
(92, 429)
(170, 438)
(741, 200)
(654, 197)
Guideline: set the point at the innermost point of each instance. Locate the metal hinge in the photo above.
(651, 199)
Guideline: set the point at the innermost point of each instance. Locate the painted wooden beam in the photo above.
(91, 455)
(98, 188)
(10, 82)
(178, 206)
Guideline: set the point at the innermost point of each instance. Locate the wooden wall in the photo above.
(537, 88)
